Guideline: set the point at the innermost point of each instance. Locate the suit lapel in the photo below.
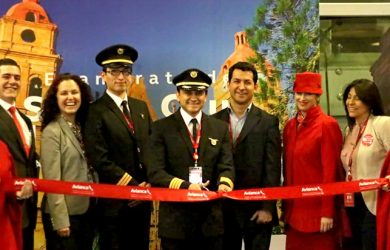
(69, 133)
(225, 115)
(253, 118)
(204, 136)
(136, 115)
(115, 109)
(183, 130)
(30, 129)
(133, 113)
(10, 127)
(7, 121)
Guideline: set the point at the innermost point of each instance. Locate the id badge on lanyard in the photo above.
(195, 175)
(195, 172)
(349, 198)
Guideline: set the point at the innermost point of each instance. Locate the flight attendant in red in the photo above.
(312, 144)
(10, 208)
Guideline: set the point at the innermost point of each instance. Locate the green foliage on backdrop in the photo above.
(286, 32)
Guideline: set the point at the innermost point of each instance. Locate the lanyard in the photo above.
(129, 123)
(360, 134)
(195, 143)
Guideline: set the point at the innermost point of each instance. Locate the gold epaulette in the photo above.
(175, 183)
(126, 178)
(228, 181)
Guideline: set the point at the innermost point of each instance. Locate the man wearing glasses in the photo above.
(115, 134)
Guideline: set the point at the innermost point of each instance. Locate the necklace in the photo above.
(75, 127)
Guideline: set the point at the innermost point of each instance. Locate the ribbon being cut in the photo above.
(184, 195)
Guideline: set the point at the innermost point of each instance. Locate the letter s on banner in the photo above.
(28, 104)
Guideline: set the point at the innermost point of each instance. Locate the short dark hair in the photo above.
(244, 66)
(50, 108)
(8, 61)
(368, 93)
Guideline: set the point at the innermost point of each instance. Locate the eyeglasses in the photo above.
(117, 72)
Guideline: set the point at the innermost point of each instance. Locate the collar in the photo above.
(232, 112)
(364, 123)
(187, 117)
(311, 114)
(118, 101)
(6, 105)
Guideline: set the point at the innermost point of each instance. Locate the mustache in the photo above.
(193, 101)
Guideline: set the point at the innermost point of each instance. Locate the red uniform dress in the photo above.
(10, 209)
(311, 156)
(383, 212)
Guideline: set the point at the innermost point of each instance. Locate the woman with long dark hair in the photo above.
(67, 219)
(366, 145)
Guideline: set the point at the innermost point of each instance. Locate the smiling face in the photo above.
(117, 80)
(191, 101)
(356, 108)
(305, 101)
(242, 87)
(9, 82)
(68, 98)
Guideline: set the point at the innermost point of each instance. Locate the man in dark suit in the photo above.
(116, 131)
(256, 152)
(191, 150)
(16, 131)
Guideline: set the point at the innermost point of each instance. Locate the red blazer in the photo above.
(10, 209)
(311, 156)
(383, 212)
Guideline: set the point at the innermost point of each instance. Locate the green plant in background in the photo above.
(286, 32)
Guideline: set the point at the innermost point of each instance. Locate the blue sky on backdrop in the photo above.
(170, 36)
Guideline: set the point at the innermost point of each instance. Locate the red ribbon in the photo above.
(184, 195)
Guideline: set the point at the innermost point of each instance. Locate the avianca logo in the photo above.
(21, 183)
(140, 191)
(368, 183)
(82, 187)
(312, 189)
(201, 195)
(251, 193)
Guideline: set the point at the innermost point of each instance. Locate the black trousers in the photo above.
(82, 232)
(28, 238)
(363, 225)
(207, 243)
(238, 227)
(126, 231)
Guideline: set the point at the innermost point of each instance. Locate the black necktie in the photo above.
(126, 112)
(194, 128)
